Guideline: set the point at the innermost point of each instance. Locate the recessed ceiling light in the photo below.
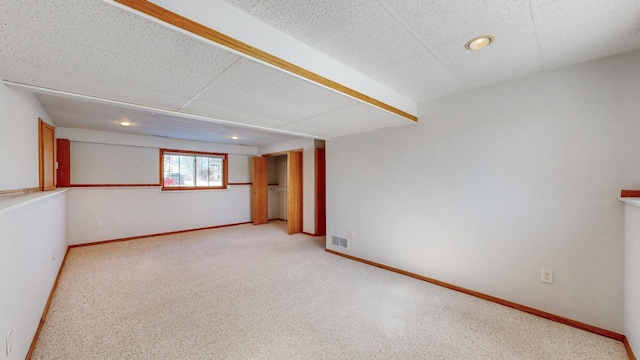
(124, 123)
(480, 42)
(235, 137)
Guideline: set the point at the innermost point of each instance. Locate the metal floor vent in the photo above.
(340, 242)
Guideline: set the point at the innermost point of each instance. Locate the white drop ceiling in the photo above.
(415, 48)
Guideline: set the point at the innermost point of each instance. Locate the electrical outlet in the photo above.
(100, 223)
(352, 235)
(546, 276)
(9, 343)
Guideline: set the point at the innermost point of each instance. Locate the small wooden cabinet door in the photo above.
(47, 155)
(259, 194)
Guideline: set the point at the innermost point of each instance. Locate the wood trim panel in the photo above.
(259, 191)
(320, 192)
(295, 204)
(46, 156)
(194, 152)
(241, 183)
(198, 29)
(281, 153)
(627, 346)
(63, 157)
(6, 194)
(46, 308)
(527, 309)
(110, 185)
(157, 234)
(630, 193)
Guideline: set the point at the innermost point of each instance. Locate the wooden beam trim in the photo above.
(527, 309)
(239, 183)
(46, 308)
(198, 29)
(630, 193)
(7, 194)
(157, 234)
(110, 185)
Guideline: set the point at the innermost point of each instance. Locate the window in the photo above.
(191, 170)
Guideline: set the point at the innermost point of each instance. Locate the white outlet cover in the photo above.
(546, 276)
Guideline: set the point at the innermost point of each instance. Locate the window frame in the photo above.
(225, 168)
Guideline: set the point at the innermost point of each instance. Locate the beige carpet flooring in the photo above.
(252, 292)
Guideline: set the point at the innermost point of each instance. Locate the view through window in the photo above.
(193, 170)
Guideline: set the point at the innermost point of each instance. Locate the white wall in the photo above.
(496, 183)
(19, 113)
(97, 214)
(632, 276)
(308, 177)
(33, 243)
(32, 236)
(111, 164)
(127, 212)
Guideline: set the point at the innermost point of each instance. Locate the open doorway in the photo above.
(277, 194)
(277, 189)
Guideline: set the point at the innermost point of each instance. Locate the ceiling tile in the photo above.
(50, 52)
(54, 80)
(370, 116)
(603, 28)
(437, 22)
(67, 112)
(228, 114)
(358, 33)
(245, 5)
(253, 103)
(541, 2)
(341, 125)
(265, 80)
(112, 28)
(313, 131)
(514, 53)
(419, 77)
(256, 135)
(5, 6)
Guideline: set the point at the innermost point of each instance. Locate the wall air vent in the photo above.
(340, 242)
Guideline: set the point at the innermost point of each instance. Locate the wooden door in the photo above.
(47, 156)
(259, 195)
(294, 192)
(321, 204)
(63, 151)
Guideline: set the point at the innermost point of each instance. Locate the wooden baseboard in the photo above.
(157, 234)
(628, 347)
(310, 234)
(46, 308)
(530, 310)
(7, 194)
